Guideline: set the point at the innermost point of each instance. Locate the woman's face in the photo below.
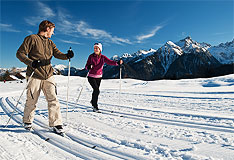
(97, 50)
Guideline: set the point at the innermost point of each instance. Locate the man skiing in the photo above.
(95, 65)
(36, 52)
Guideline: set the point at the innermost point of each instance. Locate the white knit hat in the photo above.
(99, 46)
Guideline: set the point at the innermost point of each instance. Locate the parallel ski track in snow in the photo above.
(176, 97)
(95, 146)
(180, 123)
(54, 142)
(165, 112)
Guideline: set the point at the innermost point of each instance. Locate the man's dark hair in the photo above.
(44, 24)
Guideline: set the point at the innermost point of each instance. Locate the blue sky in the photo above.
(122, 26)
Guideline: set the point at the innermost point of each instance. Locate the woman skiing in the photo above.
(95, 65)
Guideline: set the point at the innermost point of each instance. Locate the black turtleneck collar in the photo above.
(42, 37)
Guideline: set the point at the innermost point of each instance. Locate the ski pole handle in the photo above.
(70, 54)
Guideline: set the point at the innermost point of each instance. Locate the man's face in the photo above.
(50, 32)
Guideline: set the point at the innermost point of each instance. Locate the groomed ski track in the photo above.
(160, 120)
(154, 120)
(71, 144)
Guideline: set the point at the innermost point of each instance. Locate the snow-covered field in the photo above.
(181, 119)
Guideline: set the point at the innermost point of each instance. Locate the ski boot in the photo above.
(95, 109)
(28, 126)
(58, 130)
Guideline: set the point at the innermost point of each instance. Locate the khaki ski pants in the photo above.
(33, 92)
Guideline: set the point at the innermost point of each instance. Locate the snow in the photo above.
(169, 54)
(165, 119)
(187, 45)
(141, 54)
(126, 55)
(14, 77)
(23, 74)
(177, 51)
(173, 47)
(60, 67)
(171, 43)
(224, 53)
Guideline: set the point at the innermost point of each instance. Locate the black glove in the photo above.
(70, 54)
(36, 63)
(89, 66)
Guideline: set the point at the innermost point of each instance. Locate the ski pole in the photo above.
(120, 77)
(29, 79)
(81, 90)
(69, 72)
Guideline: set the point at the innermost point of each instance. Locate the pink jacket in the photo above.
(98, 63)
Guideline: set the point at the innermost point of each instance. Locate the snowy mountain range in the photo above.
(174, 60)
(224, 52)
(183, 59)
